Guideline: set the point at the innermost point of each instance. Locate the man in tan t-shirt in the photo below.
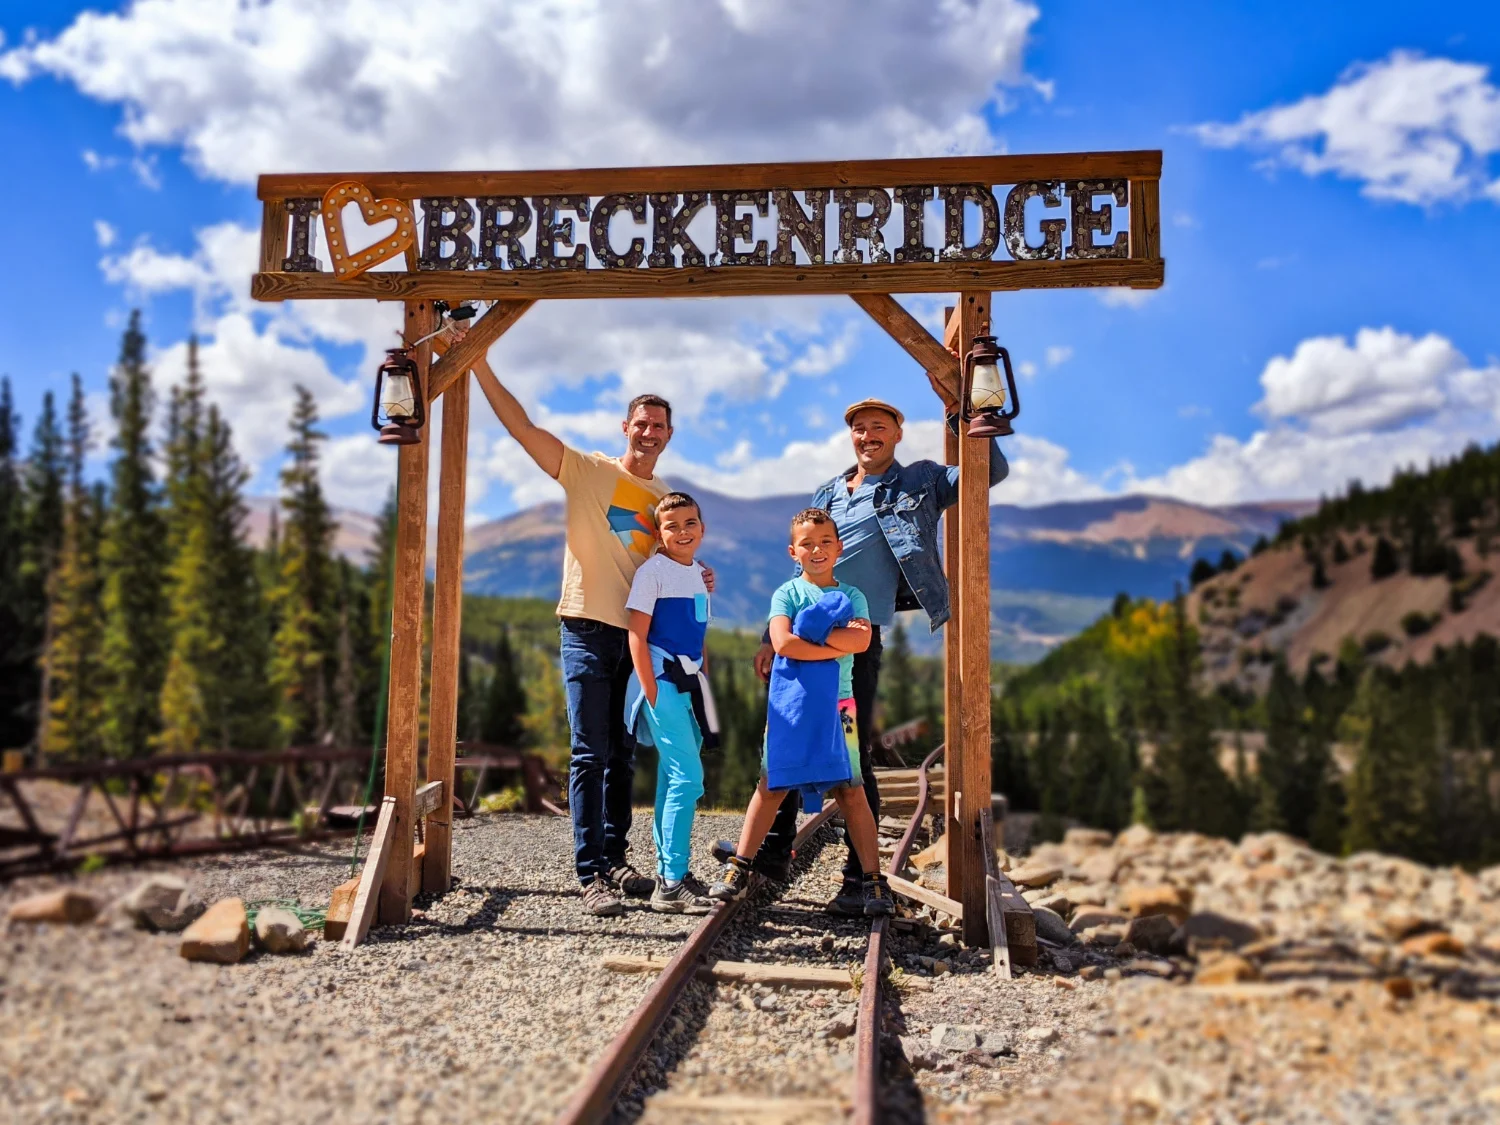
(610, 533)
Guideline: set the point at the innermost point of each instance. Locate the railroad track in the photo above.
(789, 941)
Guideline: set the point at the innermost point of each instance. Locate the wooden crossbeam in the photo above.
(940, 364)
(428, 800)
(459, 357)
(740, 972)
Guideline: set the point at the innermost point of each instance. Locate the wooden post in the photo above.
(447, 619)
(953, 738)
(409, 589)
(971, 789)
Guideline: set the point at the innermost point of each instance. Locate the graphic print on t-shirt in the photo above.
(629, 516)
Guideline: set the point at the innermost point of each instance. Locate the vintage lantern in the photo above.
(985, 396)
(398, 398)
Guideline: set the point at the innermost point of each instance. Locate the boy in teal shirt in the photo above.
(815, 546)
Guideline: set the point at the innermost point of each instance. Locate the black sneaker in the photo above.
(777, 868)
(878, 900)
(733, 883)
(628, 881)
(850, 901)
(601, 899)
(678, 900)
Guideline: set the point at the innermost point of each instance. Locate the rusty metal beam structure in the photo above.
(167, 807)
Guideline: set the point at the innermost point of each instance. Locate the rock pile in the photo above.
(1269, 908)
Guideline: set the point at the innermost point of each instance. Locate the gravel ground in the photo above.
(493, 1003)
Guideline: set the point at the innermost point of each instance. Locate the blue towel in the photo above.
(805, 746)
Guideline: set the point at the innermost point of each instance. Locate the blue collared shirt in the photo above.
(868, 563)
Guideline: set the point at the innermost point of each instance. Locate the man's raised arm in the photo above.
(543, 446)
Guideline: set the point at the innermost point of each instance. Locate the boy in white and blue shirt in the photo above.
(670, 705)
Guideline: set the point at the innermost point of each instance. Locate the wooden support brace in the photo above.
(428, 800)
(994, 901)
(940, 364)
(473, 344)
(340, 910)
(373, 877)
(926, 896)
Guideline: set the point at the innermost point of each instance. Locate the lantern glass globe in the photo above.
(397, 398)
(987, 391)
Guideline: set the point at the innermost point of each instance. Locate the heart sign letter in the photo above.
(349, 263)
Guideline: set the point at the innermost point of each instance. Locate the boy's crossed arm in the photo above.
(854, 637)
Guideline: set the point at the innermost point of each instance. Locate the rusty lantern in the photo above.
(398, 399)
(986, 397)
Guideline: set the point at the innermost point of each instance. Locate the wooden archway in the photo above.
(514, 238)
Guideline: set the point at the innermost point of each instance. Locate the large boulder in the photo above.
(1161, 898)
(278, 930)
(1051, 927)
(1207, 928)
(221, 935)
(1151, 933)
(64, 906)
(1035, 873)
(162, 902)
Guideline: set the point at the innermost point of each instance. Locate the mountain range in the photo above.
(1054, 567)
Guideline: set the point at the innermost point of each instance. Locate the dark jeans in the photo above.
(778, 841)
(596, 669)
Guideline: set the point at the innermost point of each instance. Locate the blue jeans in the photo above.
(596, 668)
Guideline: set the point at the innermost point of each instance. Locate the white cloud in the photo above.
(1026, 369)
(1122, 298)
(1039, 469)
(281, 84)
(1410, 129)
(104, 233)
(1058, 354)
(1336, 412)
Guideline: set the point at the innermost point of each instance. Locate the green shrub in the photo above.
(1415, 623)
(1385, 562)
(1375, 641)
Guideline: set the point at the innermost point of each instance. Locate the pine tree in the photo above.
(240, 700)
(193, 645)
(505, 699)
(1278, 806)
(346, 725)
(899, 681)
(1384, 561)
(72, 723)
(1195, 787)
(132, 562)
(1392, 787)
(302, 644)
(546, 721)
(17, 656)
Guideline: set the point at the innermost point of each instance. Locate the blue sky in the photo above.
(1329, 210)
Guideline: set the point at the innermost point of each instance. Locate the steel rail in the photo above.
(595, 1099)
(867, 1044)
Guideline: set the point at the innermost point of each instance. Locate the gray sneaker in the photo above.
(678, 900)
(601, 900)
(695, 884)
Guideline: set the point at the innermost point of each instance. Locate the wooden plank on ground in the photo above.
(739, 972)
(739, 1109)
(1020, 922)
(372, 878)
(926, 896)
(994, 901)
(340, 909)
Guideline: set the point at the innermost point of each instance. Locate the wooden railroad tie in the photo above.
(739, 972)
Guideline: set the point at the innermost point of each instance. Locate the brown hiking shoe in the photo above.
(630, 882)
(601, 900)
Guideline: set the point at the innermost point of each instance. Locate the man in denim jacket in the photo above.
(887, 516)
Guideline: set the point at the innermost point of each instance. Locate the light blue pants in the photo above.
(679, 778)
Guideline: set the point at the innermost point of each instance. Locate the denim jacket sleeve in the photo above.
(947, 487)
